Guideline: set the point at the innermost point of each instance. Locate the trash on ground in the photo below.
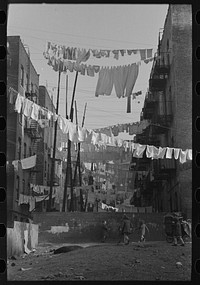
(25, 269)
(179, 264)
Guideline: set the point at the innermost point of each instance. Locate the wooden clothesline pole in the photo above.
(54, 147)
(68, 177)
(78, 161)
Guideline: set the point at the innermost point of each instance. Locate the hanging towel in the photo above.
(35, 111)
(73, 133)
(81, 134)
(169, 152)
(161, 152)
(28, 162)
(139, 150)
(183, 156)
(19, 103)
(155, 152)
(189, 154)
(176, 153)
(149, 151)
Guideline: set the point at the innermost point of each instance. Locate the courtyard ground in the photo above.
(109, 261)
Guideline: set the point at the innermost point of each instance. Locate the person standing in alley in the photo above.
(176, 230)
(105, 231)
(125, 229)
(142, 230)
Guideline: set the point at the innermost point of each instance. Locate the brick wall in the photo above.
(55, 227)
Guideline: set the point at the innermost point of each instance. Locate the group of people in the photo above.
(125, 229)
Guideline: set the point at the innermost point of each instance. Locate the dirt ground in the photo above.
(150, 261)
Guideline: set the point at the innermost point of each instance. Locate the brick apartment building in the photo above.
(21, 141)
(168, 103)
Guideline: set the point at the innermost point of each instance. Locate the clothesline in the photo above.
(76, 133)
(81, 134)
(59, 57)
(83, 54)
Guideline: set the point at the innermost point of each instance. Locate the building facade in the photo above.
(168, 105)
(21, 140)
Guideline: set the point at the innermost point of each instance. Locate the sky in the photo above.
(98, 26)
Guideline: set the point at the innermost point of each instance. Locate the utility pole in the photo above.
(54, 146)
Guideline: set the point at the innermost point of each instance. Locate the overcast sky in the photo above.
(100, 26)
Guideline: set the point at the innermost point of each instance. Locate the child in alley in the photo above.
(142, 230)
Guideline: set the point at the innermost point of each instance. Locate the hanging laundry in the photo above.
(90, 71)
(116, 54)
(95, 138)
(109, 82)
(169, 152)
(12, 96)
(19, 103)
(176, 153)
(118, 81)
(27, 107)
(100, 82)
(161, 152)
(183, 156)
(133, 129)
(149, 151)
(81, 134)
(149, 52)
(35, 111)
(96, 68)
(139, 150)
(115, 130)
(131, 79)
(82, 55)
(143, 54)
(122, 51)
(155, 152)
(28, 162)
(189, 154)
(15, 163)
(73, 133)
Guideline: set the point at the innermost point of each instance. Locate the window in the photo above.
(30, 151)
(23, 186)
(19, 148)
(24, 150)
(27, 83)
(22, 75)
(17, 187)
(31, 87)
